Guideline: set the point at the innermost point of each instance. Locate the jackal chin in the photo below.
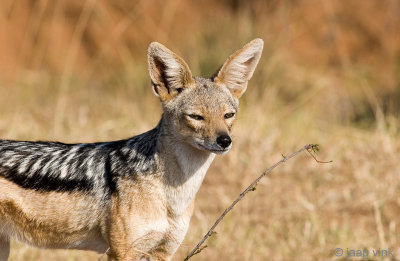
(222, 151)
(214, 148)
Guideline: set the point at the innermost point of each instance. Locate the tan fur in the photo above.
(147, 216)
(41, 218)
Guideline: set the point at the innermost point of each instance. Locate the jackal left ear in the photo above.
(239, 67)
(168, 72)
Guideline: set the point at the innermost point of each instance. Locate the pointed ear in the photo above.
(239, 68)
(168, 72)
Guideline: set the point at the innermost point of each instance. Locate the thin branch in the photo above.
(103, 255)
(314, 148)
(309, 147)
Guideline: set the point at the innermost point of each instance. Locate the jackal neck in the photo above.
(185, 168)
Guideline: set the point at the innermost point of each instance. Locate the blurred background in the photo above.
(76, 71)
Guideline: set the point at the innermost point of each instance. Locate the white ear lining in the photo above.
(240, 66)
(168, 72)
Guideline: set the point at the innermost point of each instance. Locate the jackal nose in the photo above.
(224, 141)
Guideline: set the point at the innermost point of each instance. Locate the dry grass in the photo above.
(76, 71)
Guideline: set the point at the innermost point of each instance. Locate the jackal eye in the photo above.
(196, 117)
(229, 115)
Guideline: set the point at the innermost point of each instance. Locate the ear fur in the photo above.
(168, 72)
(239, 67)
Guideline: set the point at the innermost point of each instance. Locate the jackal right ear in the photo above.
(239, 67)
(168, 72)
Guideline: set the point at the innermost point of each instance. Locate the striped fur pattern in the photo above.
(134, 197)
(87, 167)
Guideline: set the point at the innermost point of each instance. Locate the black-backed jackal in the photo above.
(133, 196)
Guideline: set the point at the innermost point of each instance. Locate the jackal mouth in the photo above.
(216, 151)
(220, 151)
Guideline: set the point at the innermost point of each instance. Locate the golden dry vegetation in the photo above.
(76, 71)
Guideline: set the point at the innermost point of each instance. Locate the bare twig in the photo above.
(314, 148)
(309, 147)
(103, 255)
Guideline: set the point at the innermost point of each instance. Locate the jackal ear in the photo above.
(168, 72)
(239, 67)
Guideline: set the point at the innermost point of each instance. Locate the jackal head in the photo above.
(201, 111)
